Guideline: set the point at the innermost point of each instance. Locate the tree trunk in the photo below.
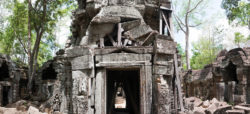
(186, 50)
(33, 53)
(29, 48)
(187, 35)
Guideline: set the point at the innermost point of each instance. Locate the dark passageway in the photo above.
(49, 73)
(4, 72)
(231, 72)
(124, 83)
(5, 95)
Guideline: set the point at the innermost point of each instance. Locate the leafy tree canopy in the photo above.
(14, 38)
(237, 10)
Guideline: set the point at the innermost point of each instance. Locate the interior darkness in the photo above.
(35, 88)
(49, 73)
(130, 80)
(231, 72)
(4, 72)
(5, 92)
(22, 87)
(126, 19)
(107, 42)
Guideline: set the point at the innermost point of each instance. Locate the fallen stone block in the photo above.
(221, 104)
(242, 108)
(235, 112)
(104, 19)
(206, 104)
(211, 109)
(130, 24)
(223, 109)
(139, 31)
(33, 110)
(215, 102)
(199, 110)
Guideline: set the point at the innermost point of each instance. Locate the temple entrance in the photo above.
(123, 92)
(231, 72)
(231, 81)
(5, 95)
(4, 72)
(49, 73)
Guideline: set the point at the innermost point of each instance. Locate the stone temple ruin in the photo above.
(12, 81)
(122, 59)
(227, 79)
(118, 49)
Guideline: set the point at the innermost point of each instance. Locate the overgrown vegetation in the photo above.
(188, 16)
(29, 32)
(214, 37)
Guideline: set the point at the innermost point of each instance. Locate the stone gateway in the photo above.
(119, 60)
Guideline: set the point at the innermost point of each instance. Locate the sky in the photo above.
(63, 30)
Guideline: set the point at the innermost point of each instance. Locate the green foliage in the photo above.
(203, 53)
(14, 38)
(206, 48)
(237, 10)
(180, 49)
(240, 39)
(15, 30)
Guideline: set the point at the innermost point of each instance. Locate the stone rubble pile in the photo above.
(26, 107)
(197, 106)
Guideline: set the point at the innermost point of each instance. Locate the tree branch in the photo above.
(24, 47)
(179, 24)
(195, 25)
(195, 6)
(179, 20)
(39, 33)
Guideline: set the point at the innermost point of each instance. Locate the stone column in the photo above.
(220, 91)
(241, 87)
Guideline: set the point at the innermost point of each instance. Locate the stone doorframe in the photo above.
(141, 62)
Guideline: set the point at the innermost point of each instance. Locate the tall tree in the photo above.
(42, 18)
(188, 18)
(240, 40)
(237, 10)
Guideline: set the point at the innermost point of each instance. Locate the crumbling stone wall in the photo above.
(199, 83)
(54, 81)
(229, 75)
(10, 81)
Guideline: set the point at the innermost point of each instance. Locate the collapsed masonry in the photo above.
(120, 49)
(13, 81)
(227, 79)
